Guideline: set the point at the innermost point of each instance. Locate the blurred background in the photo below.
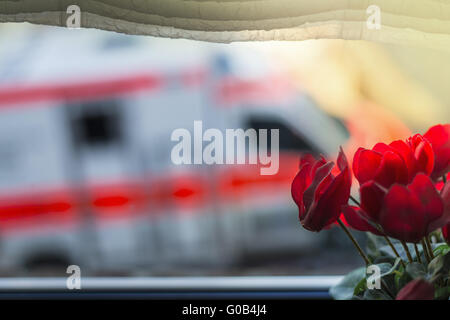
(86, 176)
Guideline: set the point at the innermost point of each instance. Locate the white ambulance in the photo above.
(86, 176)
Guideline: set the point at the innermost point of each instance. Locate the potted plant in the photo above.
(403, 204)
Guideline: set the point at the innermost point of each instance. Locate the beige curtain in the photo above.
(423, 23)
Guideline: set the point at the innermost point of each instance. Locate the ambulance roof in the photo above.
(33, 54)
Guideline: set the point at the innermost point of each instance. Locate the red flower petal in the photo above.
(408, 213)
(446, 232)
(418, 289)
(299, 185)
(391, 170)
(365, 164)
(326, 196)
(322, 174)
(431, 201)
(381, 148)
(445, 218)
(423, 154)
(372, 195)
(356, 219)
(307, 159)
(439, 137)
(404, 150)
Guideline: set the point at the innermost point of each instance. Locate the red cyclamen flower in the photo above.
(418, 289)
(439, 137)
(406, 213)
(319, 194)
(445, 194)
(398, 162)
(446, 232)
(411, 212)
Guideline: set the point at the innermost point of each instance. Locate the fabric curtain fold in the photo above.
(413, 22)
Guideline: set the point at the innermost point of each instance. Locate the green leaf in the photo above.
(373, 244)
(416, 270)
(346, 287)
(442, 293)
(387, 250)
(376, 295)
(439, 267)
(388, 274)
(401, 278)
(387, 268)
(360, 287)
(441, 249)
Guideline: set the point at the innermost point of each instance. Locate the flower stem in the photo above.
(362, 254)
(417, 253)
(393, 248)
(355, 243)
(355, 201)
(444, 178)
(380, 229)
(430, 248)
(425, 251)
(408, 254)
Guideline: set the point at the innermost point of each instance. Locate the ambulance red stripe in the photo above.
(86, 90)
(189, 191)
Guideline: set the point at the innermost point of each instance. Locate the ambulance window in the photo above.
(97, 124)
(289, 140)
(113, 42)
(341, 126)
